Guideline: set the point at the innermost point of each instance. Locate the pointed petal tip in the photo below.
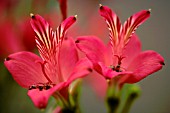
(149, 10)
(101, 6)
(162, 63)
(7, 59)
(32, 15)
(75, 17)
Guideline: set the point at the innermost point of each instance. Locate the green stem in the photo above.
(128, 95)
(60, 98)
(131, 98)
(113, 98)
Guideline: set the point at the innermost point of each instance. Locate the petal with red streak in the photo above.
(45, 40)
(113, 23)
(63, 27)
(25, 68)
(133, 23)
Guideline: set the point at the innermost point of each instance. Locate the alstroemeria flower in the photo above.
(57, 67)
(123, 58)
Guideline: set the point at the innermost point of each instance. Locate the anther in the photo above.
(75, 17)
(32, 87)
(40, 88)
(47, 87)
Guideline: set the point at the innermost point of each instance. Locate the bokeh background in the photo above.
(15, 35)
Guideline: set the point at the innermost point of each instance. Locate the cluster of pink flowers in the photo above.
(59, 64)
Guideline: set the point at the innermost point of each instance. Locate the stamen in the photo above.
(32, 87)
(118, 67)
(41, 86)
(120, 58)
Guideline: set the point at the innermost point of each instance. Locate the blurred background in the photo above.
(16, 35)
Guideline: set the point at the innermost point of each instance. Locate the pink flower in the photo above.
(57, 67)
(123, 57)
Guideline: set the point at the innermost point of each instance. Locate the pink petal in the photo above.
(131, 50)
(82, 68)
(49, 43)
(63, 8)
(133, 23)
(68, 57)
(143, 65)
(25, 68)
(44, 37)
(94, 49)
(62, 29)
(46, 40)
(113, 23)
(40, 98)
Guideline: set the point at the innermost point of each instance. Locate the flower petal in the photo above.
(49, 43)
(45, 40)
(94, 49)
(40, 98)
(62, 29)
(113, 23)
(131, 50)
(133, 23)
(68, 57)
(143, 65)
(25, 68)
(82, 68)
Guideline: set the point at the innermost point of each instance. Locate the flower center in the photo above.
(118, 67)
